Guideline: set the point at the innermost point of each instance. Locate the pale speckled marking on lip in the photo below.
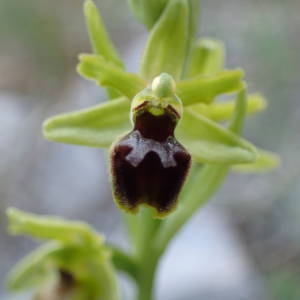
(169, 108)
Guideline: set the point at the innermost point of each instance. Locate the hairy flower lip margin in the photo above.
(151, 175)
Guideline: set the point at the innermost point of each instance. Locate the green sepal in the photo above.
(34, 269)
(99, 38)
(223, 111)
(98, 126)
(148, 12)
(208, 142)
(43, 264)
(95, 67)
(207, 57)
(166, 47)
(266, 162)
(205, 88)
(51, 228)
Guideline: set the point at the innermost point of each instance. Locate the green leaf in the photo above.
(210, 143)
(148, 12)
(165, 51)
(49, 227)
(222, 111)
(207, 58)
(99, 38)
(266, 162)
(98, 126)
(107, 74)
(205, 88)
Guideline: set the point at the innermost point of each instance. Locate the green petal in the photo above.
(207, 57)
(148, 12)
(210, 143)
(167, 44)
(206, 88)
(266, 162)
(98, 126)
(106, 74)
(223, 111)
(48, 227)
(99, 38)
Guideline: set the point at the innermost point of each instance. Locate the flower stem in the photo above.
(143, 228)
(145, 281)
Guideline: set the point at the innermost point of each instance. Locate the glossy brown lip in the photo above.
(149, 165)
(154, 178)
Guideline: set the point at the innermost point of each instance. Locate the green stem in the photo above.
(146, 275)
(146, 255)
(143, 229)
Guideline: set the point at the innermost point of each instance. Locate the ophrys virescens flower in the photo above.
(149, 165)
(150, 161)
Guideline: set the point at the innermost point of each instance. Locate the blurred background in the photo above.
(245, 244)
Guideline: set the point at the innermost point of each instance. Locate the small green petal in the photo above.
(223, 111)
(99, 38)
(46, 227)
(207, 57)
(266, 162)
(148, 12)
(98, 126)
(167, 44)
(210, 143)
(206, 88)
(239, 114)
(106, 74)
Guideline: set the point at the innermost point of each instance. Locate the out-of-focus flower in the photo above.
(74, 264)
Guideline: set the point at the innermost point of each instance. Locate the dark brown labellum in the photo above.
(149, 165)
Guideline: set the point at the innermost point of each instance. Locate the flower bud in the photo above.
(149, 165)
